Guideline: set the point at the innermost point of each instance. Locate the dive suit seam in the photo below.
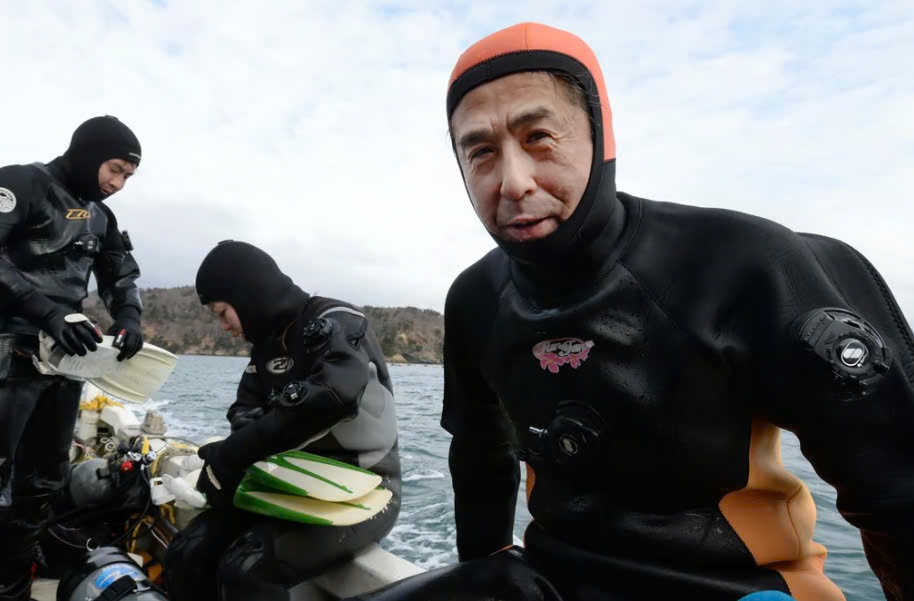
(622, 262)
(654, 300)
(340, 309)
(892, 306)
(793, 524)
(886, 298)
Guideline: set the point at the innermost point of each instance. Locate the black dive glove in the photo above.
(217, 480)
(243, 417)
(128, 335)
(73, 332)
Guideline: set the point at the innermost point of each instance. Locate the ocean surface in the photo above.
(194, 400)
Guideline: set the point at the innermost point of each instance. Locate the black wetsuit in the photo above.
(51, 241)
(681, 343)
(641, 360)
(347, 413)
(662, 381)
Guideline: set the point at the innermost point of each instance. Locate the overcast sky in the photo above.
(316, 129)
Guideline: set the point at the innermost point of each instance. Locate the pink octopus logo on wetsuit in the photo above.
(553, 354)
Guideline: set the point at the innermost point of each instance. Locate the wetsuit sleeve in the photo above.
(482, 460)
(17, 191)
(19, 188)
(117, 272)
(330, 394)
(858, 438)
(250, 401)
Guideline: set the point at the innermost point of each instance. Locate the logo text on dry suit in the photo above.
(554, 353)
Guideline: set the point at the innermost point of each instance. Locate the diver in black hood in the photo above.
(54, 233)
(248, 279)
(342, 408)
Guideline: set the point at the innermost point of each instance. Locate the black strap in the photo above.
(118, 589)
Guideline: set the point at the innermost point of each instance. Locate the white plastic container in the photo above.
(87, 427)
(159, 492)
(123, 422)
(184, 512)
(184, 492)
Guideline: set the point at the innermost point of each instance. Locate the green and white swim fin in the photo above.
(251, 495)
(300, 473)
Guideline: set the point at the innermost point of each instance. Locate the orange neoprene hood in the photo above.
(536, 47)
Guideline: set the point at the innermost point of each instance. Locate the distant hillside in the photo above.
(173, 318)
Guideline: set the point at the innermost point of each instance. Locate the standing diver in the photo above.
(55, 231)
(317, 380)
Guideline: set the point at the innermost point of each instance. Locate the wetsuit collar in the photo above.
(550, 283)
(276, 316)
(61, 170)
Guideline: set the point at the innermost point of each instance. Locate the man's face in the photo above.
(525, 150)
(113, 175)
(228, 318)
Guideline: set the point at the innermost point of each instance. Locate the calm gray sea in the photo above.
(199, 391)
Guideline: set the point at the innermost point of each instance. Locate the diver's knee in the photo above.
(188, 546)
(506, 576)
(244, 556)
(249, 570)
(189, 565)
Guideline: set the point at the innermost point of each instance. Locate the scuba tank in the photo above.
(107, 574)
(90, 483)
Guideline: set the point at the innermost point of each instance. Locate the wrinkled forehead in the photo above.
(515, 99)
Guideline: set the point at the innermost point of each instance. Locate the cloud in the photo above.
(317, 130)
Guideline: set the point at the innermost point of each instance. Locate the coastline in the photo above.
(395, 360)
